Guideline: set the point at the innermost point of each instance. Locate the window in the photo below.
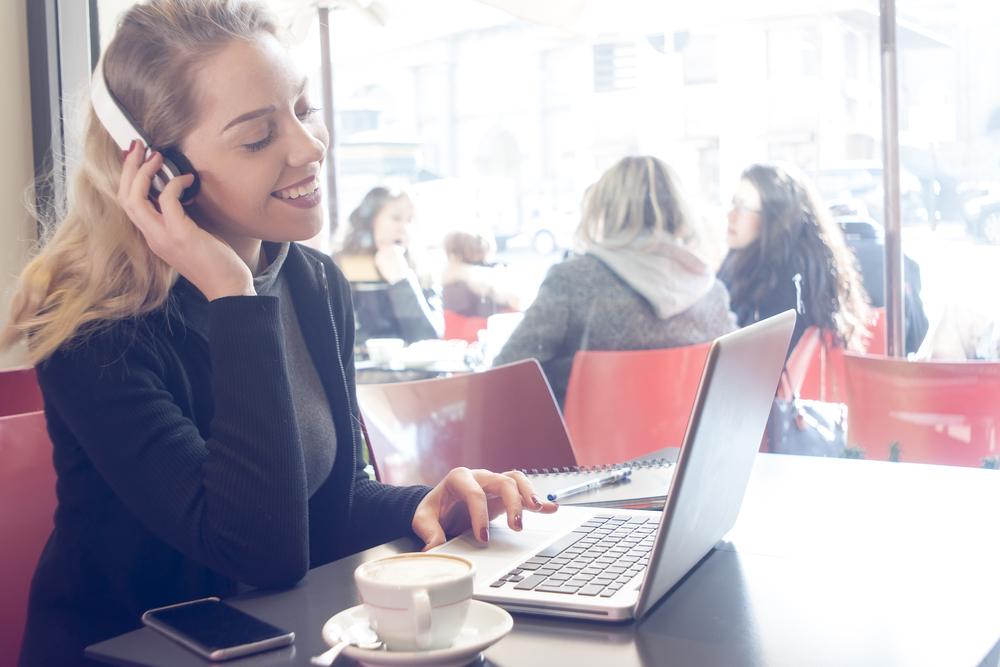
(793, 52)
(699, 57)
(851, 69)
(614, 67)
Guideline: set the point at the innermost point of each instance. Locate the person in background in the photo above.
(389, 299)
(968, 329)
(634, 285)
(471, 283)
(866, 239)
(786, 253)
(195, 360)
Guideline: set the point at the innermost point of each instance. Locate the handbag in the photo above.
(807, 427)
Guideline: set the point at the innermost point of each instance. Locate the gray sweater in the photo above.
(584, 305)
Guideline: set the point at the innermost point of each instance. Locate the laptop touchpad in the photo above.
(504, 547)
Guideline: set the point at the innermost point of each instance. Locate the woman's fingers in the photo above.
(133, 192)
(531, 500)
(504, 488)
(170, 198)
(129, 168)
(429, 530)
(143, 181)
(463, 484)
(472, 498)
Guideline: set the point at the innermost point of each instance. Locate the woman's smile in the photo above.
(251, 89)
(304, 187)
(305, 194)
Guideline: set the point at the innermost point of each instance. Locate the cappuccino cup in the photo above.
(416, 602)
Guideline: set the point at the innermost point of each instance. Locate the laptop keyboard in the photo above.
(598, 558)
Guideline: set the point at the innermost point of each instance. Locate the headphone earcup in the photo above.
(180, 165)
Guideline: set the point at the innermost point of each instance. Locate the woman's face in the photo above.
(258, 146)
(744, 217)
(391, 226)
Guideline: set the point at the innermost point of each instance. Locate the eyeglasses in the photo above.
(742, 208)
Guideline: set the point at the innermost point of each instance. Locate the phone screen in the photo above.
(215, 629)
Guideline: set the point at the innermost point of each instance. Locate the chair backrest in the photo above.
(19, 391)
(27, 503)
(624, 404)
(822, 368)
(501, 419)
(876, 344)
(463, 327)
(939, 412)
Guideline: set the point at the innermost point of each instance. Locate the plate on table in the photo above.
(485, 625)
(426, 352)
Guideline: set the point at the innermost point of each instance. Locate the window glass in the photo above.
(491, 121)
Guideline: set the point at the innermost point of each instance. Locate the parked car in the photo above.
(552, 231)
(862, 179)
(982, 216)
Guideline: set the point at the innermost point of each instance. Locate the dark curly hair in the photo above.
(797, 236)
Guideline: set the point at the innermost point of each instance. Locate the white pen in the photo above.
(616, 476)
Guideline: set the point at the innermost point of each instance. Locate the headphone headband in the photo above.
(124, 129)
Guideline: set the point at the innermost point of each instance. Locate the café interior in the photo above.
(829, 506)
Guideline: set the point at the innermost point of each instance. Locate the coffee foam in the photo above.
(415, 570)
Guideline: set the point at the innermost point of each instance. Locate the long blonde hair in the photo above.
(95, 267)
(638, 194)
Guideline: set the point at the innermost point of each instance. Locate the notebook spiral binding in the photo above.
(651, 463)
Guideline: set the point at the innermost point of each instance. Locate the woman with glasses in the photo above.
(786, 252)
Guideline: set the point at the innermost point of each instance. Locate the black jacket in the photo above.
(180, 471)
(870, 251)
(393, 311)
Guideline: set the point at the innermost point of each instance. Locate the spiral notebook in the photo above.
(645, 488)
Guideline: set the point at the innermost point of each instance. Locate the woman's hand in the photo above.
(391, 263)
(203, 258)
(467, 498)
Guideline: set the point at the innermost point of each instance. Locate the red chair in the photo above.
(27, 503)
(939, 412)
(876, 344)
(501, 419)
(621, 405)
(19, 391)
(822, 367)
(460, 327)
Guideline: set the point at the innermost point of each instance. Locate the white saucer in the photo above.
(485, 625)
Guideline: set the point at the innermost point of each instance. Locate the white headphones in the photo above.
(122, 127)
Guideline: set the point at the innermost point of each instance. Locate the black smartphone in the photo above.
(215, 630)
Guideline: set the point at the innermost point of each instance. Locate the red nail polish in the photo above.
(517, 522)
(484, 534)
(131, 146)
(535, 500)
(151, 154)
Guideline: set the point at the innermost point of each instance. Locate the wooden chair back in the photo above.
(27, 504)
(501, 419)
(19, 391)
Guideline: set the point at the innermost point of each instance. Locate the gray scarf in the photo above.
(667, 275)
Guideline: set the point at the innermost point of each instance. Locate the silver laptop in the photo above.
(612, 565)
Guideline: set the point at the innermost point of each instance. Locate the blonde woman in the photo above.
(197, 362)
(635, 286)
